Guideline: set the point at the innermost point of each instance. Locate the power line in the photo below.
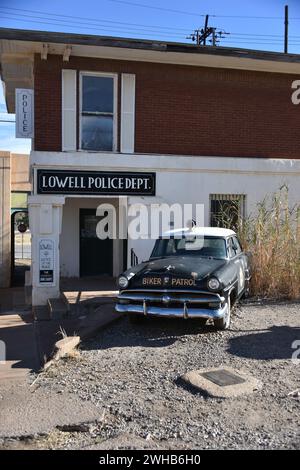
(279, 41)
(127, 29)
(262, 43)
(237, 41)
(264, 35)
(169, 10)
(182, 12)
(241, 38)
(139, 26)
(120, 30)
(91, 19)
(79, 23)
(100, 28)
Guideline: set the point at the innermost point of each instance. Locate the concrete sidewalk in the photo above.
(24, 407)
(30, 343)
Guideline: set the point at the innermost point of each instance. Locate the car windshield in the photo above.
(205, 246)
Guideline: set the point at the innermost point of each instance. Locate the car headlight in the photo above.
(123, 282)
(213, 283)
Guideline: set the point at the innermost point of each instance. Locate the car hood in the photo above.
(178, 267)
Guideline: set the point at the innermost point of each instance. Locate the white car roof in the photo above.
(201, 231)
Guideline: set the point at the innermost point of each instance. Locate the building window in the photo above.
(98, 112)
(227, 210)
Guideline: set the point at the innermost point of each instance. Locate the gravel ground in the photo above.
(132, 374)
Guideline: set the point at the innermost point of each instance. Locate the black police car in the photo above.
(191, 273)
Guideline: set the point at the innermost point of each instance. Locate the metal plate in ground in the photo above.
(223, 377)
(222, 382)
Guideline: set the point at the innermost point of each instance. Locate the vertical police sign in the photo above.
(24, 113)
(46, 261)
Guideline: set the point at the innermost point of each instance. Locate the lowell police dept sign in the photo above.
(95, 182)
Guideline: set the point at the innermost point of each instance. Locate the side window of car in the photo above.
(236, 246)
(230, 248)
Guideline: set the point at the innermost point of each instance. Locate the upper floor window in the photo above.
(98, 112)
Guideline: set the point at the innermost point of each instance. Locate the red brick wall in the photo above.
(47, 104)
(186, 110)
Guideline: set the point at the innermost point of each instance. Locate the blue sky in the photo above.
(255, 24)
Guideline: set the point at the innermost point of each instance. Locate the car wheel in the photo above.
(224, 323)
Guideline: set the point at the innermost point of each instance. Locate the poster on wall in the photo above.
(46, 261)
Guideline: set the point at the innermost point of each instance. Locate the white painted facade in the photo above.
(179, 179)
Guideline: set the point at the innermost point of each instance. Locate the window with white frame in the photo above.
(98, 112)
(227, 210)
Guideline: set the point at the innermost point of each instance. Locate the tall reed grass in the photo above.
(272, 236)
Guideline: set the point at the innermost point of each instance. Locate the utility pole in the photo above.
(201, 35)
(205, 29)
(286, 28)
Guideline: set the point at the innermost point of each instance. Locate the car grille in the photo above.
(171, 298)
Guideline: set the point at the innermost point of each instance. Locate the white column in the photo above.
(45, 218)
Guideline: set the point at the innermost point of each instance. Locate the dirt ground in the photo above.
(130, 374)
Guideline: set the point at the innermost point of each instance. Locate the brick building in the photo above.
(193, 123)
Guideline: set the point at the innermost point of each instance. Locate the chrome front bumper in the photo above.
(185, 303)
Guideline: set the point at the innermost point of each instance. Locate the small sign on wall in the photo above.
(24, 113)
(46, 261)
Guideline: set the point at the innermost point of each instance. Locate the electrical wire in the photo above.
(100, 28)
(138, 29)
(91, 19)
(181, 12)
(169, 10)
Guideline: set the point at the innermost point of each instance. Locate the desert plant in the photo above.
(272, 236)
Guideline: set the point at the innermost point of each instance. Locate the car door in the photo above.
(239, 260)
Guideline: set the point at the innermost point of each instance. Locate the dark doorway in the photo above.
(96, 255)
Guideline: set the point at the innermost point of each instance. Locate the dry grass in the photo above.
(272, 236)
